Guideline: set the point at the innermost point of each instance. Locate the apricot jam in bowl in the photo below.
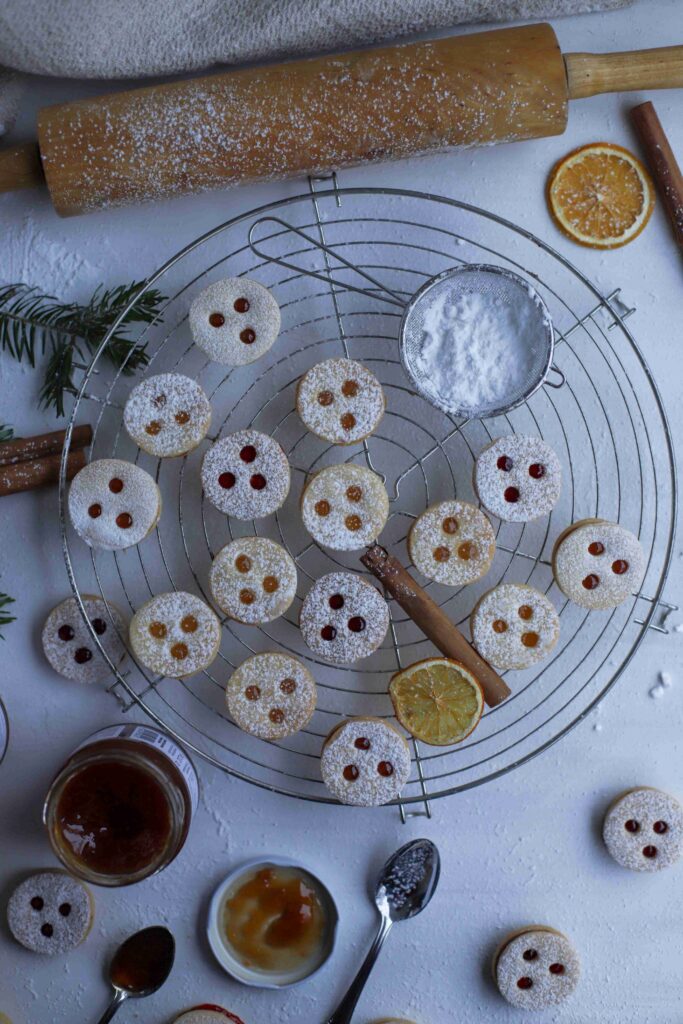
(272, 923)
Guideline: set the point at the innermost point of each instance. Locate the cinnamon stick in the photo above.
(433, 622)
(27, 476)
(663, 164)
(22, 449)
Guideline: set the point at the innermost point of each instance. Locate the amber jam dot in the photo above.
(354, 493)
(362, 743)
(179, 651)
(325, 398)
(530, 954)
(82, 655)
(441, 554)
(116, 485)
(288, 685)
(353, 523)
(157, 630)
(95, 511)
(350, 773)
(524, 983)
(226, 481)
(511, 495)
(252, 693)
(660, 827)
(66, 633)
(356, 624)
(100, 626)
(328, 632)
(216, 319)
(37, 903)
(467, 550)
(525, 612)
(153, 428)
(596, 547)
(537, 470)
(632, 825)
(247, 596)
(650, 852)
(271, 584)
(619, 567)
(348, 421)
(248, 453)
(65, 909)
(556, 968)
(500, 626)
(276, 715)
(241, 305)
(336, 602)
(350, 388)
(248, 336)
(189, 624)
(385, 769)
(258, 481)
(505, 463)
(591, 581)
(322, 507)
(47, 930)
(182, 417)
(530, 639)
(243, 563)
(124, 520)
(450, 525)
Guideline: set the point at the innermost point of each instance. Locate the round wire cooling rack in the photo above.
(606, 422)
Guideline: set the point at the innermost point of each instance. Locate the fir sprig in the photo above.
(33, 325)
(6, 433)
(5, 618)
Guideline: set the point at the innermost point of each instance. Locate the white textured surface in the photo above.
(525, 848)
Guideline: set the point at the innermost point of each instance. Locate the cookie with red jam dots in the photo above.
(50, 912)
(343, 618)
(518, 478)
(113, 504)
(365, 762)
(340, 401)
(207, 1013)
(246, 475)
(175, 635)
(167, 415)
(271, 696)
(598, 564)
(345, 507)
(643, 829)
(514, 626)
(235, 321)
(69, 646)
(253, 580)
(452, 543)
(536, 968)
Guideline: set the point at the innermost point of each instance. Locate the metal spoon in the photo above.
(405, 886)
(140, 966)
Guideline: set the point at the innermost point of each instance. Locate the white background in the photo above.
(524, 849)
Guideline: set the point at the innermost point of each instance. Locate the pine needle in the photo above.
(5, 619)
(6, 433)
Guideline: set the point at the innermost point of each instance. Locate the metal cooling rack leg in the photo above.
(663, 610)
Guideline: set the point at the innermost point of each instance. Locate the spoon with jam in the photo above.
(140, 966)
(405, 886)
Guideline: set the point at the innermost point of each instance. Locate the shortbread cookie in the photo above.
(207, 1013)
(518, 478)
(536, 968)
(345, 507)
(452, 543)
(598, 564)
(246, 475)
(70, 648)
(235, 321)
(365, 762)
(113, 504)
(175, 634)
(253, 580)
(343, 618)
(50, 912)
(271, 696)
(643, 829)
(167, 415)
(340, 401)
(514, 626)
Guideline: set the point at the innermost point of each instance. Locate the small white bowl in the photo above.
(225, 955)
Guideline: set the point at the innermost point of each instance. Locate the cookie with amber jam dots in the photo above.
(452, 543)
(643, 829)
(235, 321)
(113, 504)
(345, 507)
(246, 475)
(514, 626)
(518, 478)
(70, 648)
(340, 401)
(50, 912)
(271, 696)
(167, 415)
(207, 1013)
(365, 762)
(175, 634)
(343, 618)
(536, 968)
(253, 579)
(598, 564)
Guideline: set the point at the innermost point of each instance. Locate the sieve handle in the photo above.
(562, 380)
(393, 298)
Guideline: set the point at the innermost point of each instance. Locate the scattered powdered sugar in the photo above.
(664, 682)
(514, 626)
(73, 653)
(345, 507)
(253, 579)
(365, 762)
(113, 504)
(530, 957)
(340, 400)
(653, 838)
(344, 618)
(50, 912)
(175, 634)
(246, 475)
(271, 695)
(167, 415)
(518, 478)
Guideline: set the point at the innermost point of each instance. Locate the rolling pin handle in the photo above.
(20, 167)
(590, 74)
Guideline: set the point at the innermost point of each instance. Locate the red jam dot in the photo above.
(511, 495)
(362, 743)
(650, 852)
(504, 463)
(537, 470)
(288, 685)
(336, 602)
(351, 773)
(660, 827)
(248, 336)
(116, 485)
(100, 626)
(248, 453)
(82, 655)
(66, 633)
(591, 581)
(632, 825)
(124, 520)
(37, 903)
(47, 930)
(258, 481)
(216, 319)
(356, 624)
(95, 511)
(556, 968)
(328, 633)
(524, 983)
(252, 693)
(241, 305)
(619, 567)
(596, 548)
(530, 954)
(276, 715)
(226, 481)
(65, 909)
(385, 769)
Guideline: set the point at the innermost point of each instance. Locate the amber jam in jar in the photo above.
(120, 808)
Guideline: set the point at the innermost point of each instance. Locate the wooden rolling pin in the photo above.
(312, 116)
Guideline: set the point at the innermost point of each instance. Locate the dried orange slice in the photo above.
(437, 700)
(600, 195)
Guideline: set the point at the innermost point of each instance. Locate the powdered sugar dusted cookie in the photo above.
(271, 696)
(365, 762)
(207, 1013)
(69, 647)
(340, 401)
(514, 626)
(167, 415)
(598, 564)
(643, 829)
(175, 634)
(452, 543)
(345, 507)
(253, 579)
(518, 478)
(536, 968)
(235, 321)
(50, 912)
(246, 475)
(343, 618)
(113, 504)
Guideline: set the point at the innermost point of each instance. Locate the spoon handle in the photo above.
(344, 1012)
(119, 997)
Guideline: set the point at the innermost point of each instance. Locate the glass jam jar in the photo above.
(120, 809)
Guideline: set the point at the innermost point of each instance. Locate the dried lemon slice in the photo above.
(437, 700)
(600, 195)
